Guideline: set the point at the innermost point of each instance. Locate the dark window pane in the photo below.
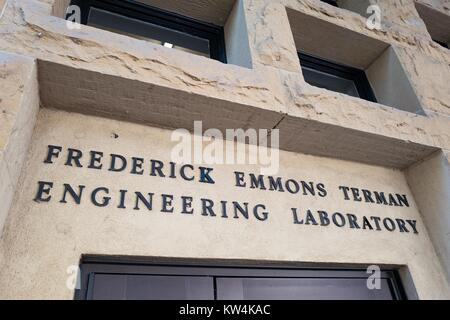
(299, 289)
(331, 82)
(149, 287)
(335, 77)
(441, 43)
(332, 2)
(148, 31)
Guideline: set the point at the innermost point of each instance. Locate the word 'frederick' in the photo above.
(135, 165)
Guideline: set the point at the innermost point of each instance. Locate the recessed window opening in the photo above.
(336, 77)
(158, 26)
(343, 60)
(437, 24)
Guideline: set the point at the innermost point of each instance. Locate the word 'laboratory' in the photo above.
(188, 205)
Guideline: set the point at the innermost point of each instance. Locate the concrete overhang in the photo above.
(89, 92)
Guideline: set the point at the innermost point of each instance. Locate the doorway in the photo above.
(123, 281)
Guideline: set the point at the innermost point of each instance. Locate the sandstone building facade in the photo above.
(71, 97)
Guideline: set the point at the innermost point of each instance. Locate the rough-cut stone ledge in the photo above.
(115, 97)
(96, 93)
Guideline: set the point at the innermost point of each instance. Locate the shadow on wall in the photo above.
(429, 181)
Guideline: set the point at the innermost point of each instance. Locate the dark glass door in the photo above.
(104, 281)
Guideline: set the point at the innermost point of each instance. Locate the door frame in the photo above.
(89, 265)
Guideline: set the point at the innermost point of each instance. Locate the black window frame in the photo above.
(331, 2)
(146, 13)
(442, 44)
(358, 76)
(90, 265)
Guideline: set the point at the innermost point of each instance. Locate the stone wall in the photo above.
(105, 75)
